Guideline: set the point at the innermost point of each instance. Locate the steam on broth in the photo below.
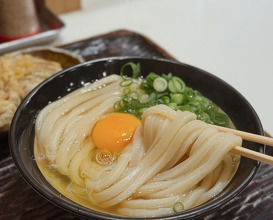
(113, 146)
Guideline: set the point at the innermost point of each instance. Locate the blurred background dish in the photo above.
(22, 70)
(65, 57)
(49, 29)
(18, 19)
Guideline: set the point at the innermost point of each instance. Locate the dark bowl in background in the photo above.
(231, 101)
(64, 57)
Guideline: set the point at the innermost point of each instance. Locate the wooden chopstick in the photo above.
(253, 155)
(250, 137)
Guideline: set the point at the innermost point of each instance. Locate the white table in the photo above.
(231, 39)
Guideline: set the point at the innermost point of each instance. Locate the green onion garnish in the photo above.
(178, 207)
(177, 98)
(220, 119)
(176, 85)
(135, 69)
(126, 82)
(170, 90)
(160, 84)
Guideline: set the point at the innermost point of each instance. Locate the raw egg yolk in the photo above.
(114, 131)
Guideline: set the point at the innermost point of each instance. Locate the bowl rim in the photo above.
(52, 49)
(87, 212)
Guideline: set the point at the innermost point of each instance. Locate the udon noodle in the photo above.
(172, 157)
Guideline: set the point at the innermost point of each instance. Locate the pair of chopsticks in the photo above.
(250, 137)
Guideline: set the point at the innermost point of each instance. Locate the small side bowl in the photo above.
(62, 56)
(234, 104)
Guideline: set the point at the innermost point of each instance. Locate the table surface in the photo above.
(231, 39)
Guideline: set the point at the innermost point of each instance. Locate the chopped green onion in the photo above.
(184, 108)
(178, 207)
(145, 86)
(126, 82)
(126, 90)
(195, 105)
(159, 101)
(140, 112)
(116, 106)
(134, 87)
(138, 105)
(160, 84)
(167, 77)
(162, 94)
(166, 99)
(150, 78)
(211, 107)
(164, 89)
(177, 98)
(204, 117)
(220, 119)
(135, 68)
(152, 96)
(189, 94)
(176, 85)
(144, 98)
(173, 105)
(134, 95)
(201, 98)
(119, 105)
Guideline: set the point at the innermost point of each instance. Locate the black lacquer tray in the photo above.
(19, 201)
